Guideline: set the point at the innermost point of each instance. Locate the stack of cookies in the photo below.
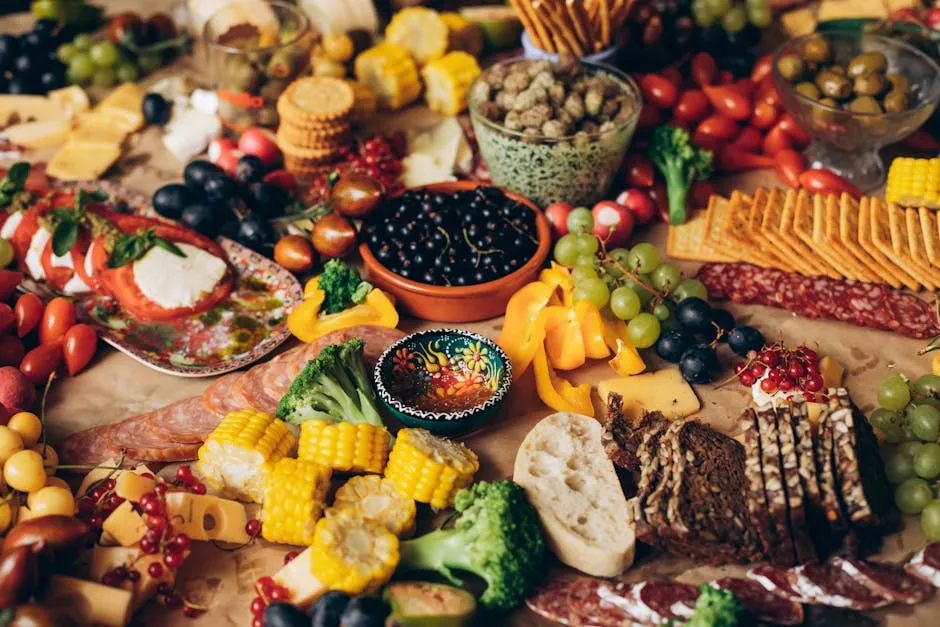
(315, 114)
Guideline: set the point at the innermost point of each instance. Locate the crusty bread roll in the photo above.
(574, 487)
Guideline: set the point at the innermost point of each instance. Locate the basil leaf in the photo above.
(62, 215)
(64, 237)
(98, 195)
(168, 246)
(123, 251)
(16, 176)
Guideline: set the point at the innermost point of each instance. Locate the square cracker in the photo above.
(804, 220)
(849, 239)
(915, 237)
(806, 264)
(755, 221)
(687, 241)
(788, 234)
(715, 219)
(928, 227)
(867, 242)
(823, 206)
(830, 236)
(907, 248)
(880, 233)
(735, 233)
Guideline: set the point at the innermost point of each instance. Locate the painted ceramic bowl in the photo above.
(447, 381)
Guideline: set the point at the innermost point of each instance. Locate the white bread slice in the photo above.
(573, 486)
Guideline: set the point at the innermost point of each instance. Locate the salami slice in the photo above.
(278, 377)
(220, 397)
(925, 565)
(762, 604)
(777, 580)
(88, 448)
(828, 584)
(186, 421)
(550, 600)
(658, 601)
(598, 603)
(376, 339)
(251, 388)
(886, 580)
(137, 439)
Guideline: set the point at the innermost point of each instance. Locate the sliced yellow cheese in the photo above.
(125, 525)
(29, 108)
(663, 391)
(97, 127)
(844, 9)
(79, 161)
(124, 105)
(72, 99)
(303, 587)
(97, 603)
(831, 372)
(130, 486)
(38, 134)
(93, 478)
(799, 21)
(104, 559)
(204, 517)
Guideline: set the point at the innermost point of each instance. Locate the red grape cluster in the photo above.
(378, 157)
(787, 370)
(268, 592)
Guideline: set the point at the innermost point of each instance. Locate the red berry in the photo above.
(120, 572)
(746, 379)
(768, 358)
(148, 546)
(109, 484)
(112, 501)
(739, 368)
(289, 556)
(810, 397)
(266, 584)
(153, 535)
(153, 507)
(184, 473)
(147, 475)
(164, 587)
(160, 489)
(173, 558)
(768, 385)
(181, 542)
(813, 383)
(157, 523)
(155, 570)
(197, 487)
(257, 606)
(133, 575)
(86, 505)
(257, 622)
(253, 527)
(110, 579)
(96, 521)
(97, 493)
(811, 368)
(795, 369)
(758, 370)
(279, 594)
(787, 384)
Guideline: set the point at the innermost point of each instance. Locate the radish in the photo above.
(639, 203)
(613, 223)
(557, 214)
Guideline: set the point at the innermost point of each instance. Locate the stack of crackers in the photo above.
(315, 113)
(870, 240)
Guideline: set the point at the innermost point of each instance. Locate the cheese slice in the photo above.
(92, 479)
(72, 99)
(97, 603)
(295, 575)
(124, 106)
(663, 391)
(79, 161)
(172, 281)
(38, 134)
(125, 525)
(831, 372)
(204, 517)
(131, 486)
(97, 127)
(29, 108)
(9, 226)
(104, 559)
(33, 257)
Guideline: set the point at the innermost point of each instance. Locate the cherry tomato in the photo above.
(639, 203)
(725, 77)
(42, 361)
(295, 253)
(701, 192)
(160, 27)
(776, 140)
(676, 122)
(661, 198)
(767, 92)
(732, 159)
(674, 76)
(789, 165)
(920, 141)
(729, 102)
(28, 312)
(637, 172)
(703, 69)
(745, 87)
(126, 26)
(658, 91)
(763, 68)
(764, 115)
(81, 342)
(613, 223)
(797, 133)
(11, 350)
(718, 127)
(332, 236)
(58, 318)
(749, 140)
(819, 181)
(7, 318)
(706, 142)
(692, 106)
(648, 119)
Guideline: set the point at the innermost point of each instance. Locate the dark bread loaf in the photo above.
(651, 476)
(812, 489)
(799, 529)
(774, 486)
(757, 504)
(829, 489)
(622, 435)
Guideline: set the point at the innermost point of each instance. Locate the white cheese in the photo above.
(75, 285)
(89, 266)
(189, 132)
(9, 227)
(172, 281)
(34, 253)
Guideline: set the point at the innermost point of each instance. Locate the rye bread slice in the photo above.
(828, 488)
(812, 490)
(656, 503)
(758, 507)
(622, 435)
(650, 477)
(774, 486)
(799, 529)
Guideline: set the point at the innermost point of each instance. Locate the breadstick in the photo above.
(605, 22)
(536, 28)
(572, 9)
(564, 33)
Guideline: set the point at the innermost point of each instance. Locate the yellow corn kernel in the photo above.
(914, 182)
(447, 81)
(294, 495)
(353, 554)
(375, 498)
(343, 446)
(463, 34)
(430, 469)
(421, 32)
(390, 73)
(237, 456)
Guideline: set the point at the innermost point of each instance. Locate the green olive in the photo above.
(281, 65)
(808, 90)
(272, 89)
(865, 104)
(816, 49)
(829, 102)
(896, 101)
(870, 85)
(240, 75)
(790, 67)
(267, 116)
(833, 85)
(867, 63)
(899, 82)
(838, 69)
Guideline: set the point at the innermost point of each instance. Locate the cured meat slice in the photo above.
(550, 600)
(137, 439)
(774, 485)
(828, 584)
(186, 421)
(886, 580)
(376, 340)
(925, 565)
(799, 530)
(278, 377)
(602, 604)
(88, 447)
(658, 601)
(760, 603)
(757, 504)
(220, 398)
(251, 388)
(780, 581)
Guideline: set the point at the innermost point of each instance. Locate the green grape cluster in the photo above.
(103, 63)
(629, 284)
(908, 416)
(71, 12)
(732, 16)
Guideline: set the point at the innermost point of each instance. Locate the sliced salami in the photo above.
(887, 580)
(376, 340)
(88, 448)
(251, 387)
(220, 397)
(925, 565)
(762, 604)
(278, 377)
(599, 603)
(828, 584)
(550, 600)
(136, 437)
(661, 600)
(777, 580)
(186, 421)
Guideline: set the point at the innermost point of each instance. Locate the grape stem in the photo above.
(635, 277)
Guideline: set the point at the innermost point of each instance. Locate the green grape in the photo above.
(670, 324)
(645, 295)
(881, 418)
(643, 258)
(104, 54)
(894, 393)
(127, 72)
(586, 260)
(83, 42)
(6, 253)
(927, 461)
(735, 19)
(925, 422)
(909, 448)
(899, 468)
(662, 312)
(643, 330)
(149, 62)
(66, 53)
(46, 10)
(913, 495)
(930, 520)
(593, 290)
(585, 244)
(928, 385)
(718, 7)
(566, 252)
(761, 17)
(689, 288)
(665, 277)
(754, 4)
(894, 434)
(907, 434)
(104, 77)
(702, 14)
(81, 69)
(583, 273)
(624, 303)
(580, 220)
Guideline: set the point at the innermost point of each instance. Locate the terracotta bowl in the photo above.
(465, 303)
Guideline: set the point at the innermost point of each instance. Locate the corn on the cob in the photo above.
(366, 103)
(237, 456)
(377, 499)
(463, 34)
(420, 31)
(294, 495)
(914, 182)
(390, 73)
(343, 446)
(447, 81)
(430, 469)
(353, 554)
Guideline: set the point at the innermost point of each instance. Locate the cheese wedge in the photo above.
(29, 108)
(78, 161)
(38, 134)
(663, 391)
(97, 127)
(124, 525)
(123, 105)
(295, 575)
(130, 486)
(72, 99)
(204, 517)
(99, 604)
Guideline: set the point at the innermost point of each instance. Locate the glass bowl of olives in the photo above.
(254, 50)
(855, 93)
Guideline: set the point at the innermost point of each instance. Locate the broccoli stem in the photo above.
(439, 551)
(677, 190)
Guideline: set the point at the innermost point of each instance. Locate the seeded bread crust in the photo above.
(622, 436)
(812, 490)
(799, 529)
(825, 470)
(774, 486)
(656, 503)
(650, 477)
(758, 507)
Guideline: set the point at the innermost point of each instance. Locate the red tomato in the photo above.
(27, 311)
(283, 179)
(776, 140)
(9, 281)
(81, 342)
(728, 101)
(676, 122)
(706, 142)
(648, 119)
(58, 317)
(797, 133)
(613, 223)
(37, 181)
(7, 318)
(261, 143)
(11, 350)
(819, 181)
(658, 91)
(718, 127)
(725, 77)
(789, 165)
(745, 86)
(732, 159)
(763, 68)
(749, 140)
(638, 171)
(701, 192)
(639, 203)
(764, 115)
(557, 214)
(767, 92)
(703, 69)
(692, 106)
(920, 141)
(42, 361)
(674, 76)
(661, 199)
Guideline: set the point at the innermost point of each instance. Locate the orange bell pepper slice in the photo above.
(627, 360)
(521, 312)
(558, 393)
(306, 323)
(592, 330)
(564, 342)
(558, 277)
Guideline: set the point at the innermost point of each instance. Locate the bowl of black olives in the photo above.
(454, 252)
(855, 92)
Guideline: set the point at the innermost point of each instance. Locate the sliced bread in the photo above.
(757, 504)
(622, 434)
(799, 529)
(774, 485)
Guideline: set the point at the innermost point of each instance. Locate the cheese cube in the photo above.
(97, 603)
(301, 585)
(38, 134)
(131, 486)
(663, 391)
(105, 559)
(94, 477)
(204, 517)
(78, 161)
(29, 108)
(831, 372)
(125, 525)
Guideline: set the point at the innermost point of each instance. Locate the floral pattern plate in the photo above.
(243, 328)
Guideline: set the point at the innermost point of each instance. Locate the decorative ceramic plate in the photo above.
(243, 328)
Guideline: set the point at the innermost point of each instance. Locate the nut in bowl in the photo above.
(855, 93)
(448, 381)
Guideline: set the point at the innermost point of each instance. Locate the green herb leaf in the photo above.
(128, 249)
(168, 246)
(64, 237)
(15, 180)
(98, 195)
(61, 215)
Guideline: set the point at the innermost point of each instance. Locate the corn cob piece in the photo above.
(294, 495)
(390, 73)
(430, 469)
(237, 456)
(377, 499)
(463, 34)
(447, 81)
(366, 104)
(353, 554)
(343, 446)
(914, 182)
(421, 32)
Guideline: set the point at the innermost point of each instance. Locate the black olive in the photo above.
(328, 609)
(460, 279)
(170, 200)
(52, 79)
(200, 217)
(22, 84)
(365, 612)
(254, 232)
(9, 46)
(219, 189)
(24, 64)
(196, 172)
(266, 198)
(249, 169)
(283, 615)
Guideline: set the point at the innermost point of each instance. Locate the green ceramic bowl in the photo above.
(447, 381)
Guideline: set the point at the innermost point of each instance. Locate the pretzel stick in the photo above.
(605, 22)
(579, 28)
(559, 16)
(567, 37)
(537, 32)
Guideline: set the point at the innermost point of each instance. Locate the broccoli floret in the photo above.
(496, 536)
(333, 387)
(716, 608)
(681, 163)
(342, 286)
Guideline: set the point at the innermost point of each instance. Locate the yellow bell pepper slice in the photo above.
(312, 287)
(564, 342)
(521, 312)
(592, 330)
(559, 278)
(534, 341)
(627, 360)
(558, 393)
(306, 323)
